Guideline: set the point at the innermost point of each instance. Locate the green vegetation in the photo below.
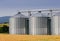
(4, 28)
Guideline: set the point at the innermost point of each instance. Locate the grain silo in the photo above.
(38, 24)
(18, 24)
(55, 24)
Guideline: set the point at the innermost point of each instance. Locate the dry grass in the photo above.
(7, 37)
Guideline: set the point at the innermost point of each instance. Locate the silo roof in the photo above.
(20, 15)
(57, 14)
(38, 15)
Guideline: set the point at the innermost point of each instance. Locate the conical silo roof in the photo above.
(19, 15)
(57, 14)
(39, 15)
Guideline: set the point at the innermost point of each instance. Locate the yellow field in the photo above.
(7, 37)
(1, 25)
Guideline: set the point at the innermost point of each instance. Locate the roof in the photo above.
(39, 15)
(18, 15)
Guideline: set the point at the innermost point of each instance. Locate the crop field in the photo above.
(1, 25)
(8, 37)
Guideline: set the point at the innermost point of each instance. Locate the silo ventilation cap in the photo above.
(39, 11)
(19, 12)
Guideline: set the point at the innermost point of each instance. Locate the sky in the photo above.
(11, 7)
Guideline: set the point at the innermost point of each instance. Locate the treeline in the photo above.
(4, 29)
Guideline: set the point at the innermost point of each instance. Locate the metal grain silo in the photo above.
(38, 24)
(55, 24)
(18, 24)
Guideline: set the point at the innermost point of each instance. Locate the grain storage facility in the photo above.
(55, 24)
(18, 24)
(38, 24)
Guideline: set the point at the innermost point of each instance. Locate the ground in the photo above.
(9, 37)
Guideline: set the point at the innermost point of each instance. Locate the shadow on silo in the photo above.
(49, 26)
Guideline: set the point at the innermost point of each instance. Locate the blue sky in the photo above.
(10, 7)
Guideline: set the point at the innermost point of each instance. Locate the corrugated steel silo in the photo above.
(38, 25)
(17, 24)
(55, 24)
